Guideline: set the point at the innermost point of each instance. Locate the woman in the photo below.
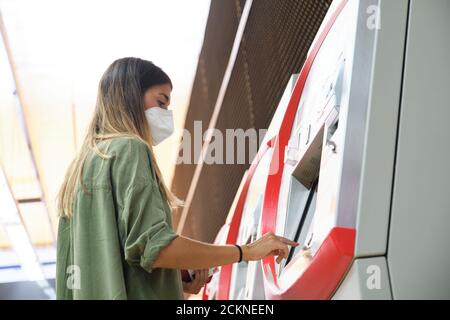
(115, 236)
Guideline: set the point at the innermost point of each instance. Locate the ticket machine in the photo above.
(330, 175)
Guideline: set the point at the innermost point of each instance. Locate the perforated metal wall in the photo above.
(276, 39)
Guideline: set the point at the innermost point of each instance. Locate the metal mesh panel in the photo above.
(220, 32)
(276, 39)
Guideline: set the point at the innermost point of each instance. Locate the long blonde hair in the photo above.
(119, 112)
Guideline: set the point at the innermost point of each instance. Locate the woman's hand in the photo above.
(200, 279)
(267, 245)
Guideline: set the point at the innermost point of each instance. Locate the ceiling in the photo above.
(58, 51)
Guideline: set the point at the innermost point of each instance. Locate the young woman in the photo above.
(115, 236)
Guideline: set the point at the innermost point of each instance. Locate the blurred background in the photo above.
(52, 55)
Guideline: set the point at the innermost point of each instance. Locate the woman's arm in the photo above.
(185, 253)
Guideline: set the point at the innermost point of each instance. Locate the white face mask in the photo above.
(160, 122)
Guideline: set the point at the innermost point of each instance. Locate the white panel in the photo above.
(419, 238)
(379, 146)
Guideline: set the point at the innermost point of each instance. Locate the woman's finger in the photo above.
(277, 254)
(282, 251)
(281, 255)
(286, 252)
(283, 248)
(287, 241)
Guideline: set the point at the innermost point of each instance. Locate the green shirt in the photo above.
(107, 249)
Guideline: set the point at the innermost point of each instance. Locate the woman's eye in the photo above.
(161, 105)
